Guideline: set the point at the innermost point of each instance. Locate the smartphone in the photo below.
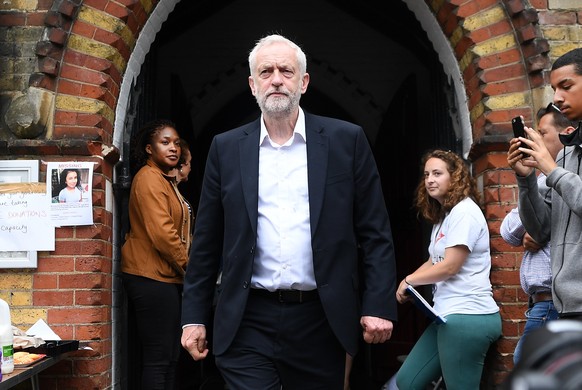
(518, 129)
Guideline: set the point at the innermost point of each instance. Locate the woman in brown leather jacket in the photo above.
(155, 253)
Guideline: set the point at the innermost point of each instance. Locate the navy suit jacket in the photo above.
(349, 222)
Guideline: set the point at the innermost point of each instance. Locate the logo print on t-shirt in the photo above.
(439, 236)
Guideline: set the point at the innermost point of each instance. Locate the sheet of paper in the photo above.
(424, 306)
(42, 330)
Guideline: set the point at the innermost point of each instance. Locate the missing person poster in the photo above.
(70, 186)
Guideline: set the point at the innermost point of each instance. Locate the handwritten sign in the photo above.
(25, 219)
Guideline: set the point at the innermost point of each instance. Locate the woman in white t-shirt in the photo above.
(458, 269)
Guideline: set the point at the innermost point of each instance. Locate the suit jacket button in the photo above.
(246, 285)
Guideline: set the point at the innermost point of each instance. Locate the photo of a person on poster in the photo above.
(72, 190)
(69, 186)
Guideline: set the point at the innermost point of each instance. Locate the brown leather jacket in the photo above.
(157, 244)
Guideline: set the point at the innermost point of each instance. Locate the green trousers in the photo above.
(456, 350)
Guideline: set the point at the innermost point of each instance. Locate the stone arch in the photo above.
(146, 37)
(495, 54)
(461, 118)
(502, 58)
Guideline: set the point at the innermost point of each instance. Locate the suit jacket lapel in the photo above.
(249, 170)
(317, 157)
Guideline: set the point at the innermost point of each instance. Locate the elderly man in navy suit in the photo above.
(291, 211)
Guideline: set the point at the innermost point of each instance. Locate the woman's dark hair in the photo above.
(462, 186)
(144, 137)
(185, 152)
(63, 177)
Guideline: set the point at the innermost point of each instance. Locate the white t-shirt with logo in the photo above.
(469, 291)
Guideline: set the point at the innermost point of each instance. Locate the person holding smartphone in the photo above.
(559, 220)
(535, 269)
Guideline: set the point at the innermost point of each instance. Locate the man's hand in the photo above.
(515, 158)
(376, 330)
(194, 341)
(530, 244)
(539, 153)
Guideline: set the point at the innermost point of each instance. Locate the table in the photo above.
(31, 372)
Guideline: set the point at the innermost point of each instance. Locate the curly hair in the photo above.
(145, 137)
(462, 186)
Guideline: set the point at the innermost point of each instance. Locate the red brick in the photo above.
(92, 298)
(44, 281)
(52, 298)
(557, 18)
(506, 86)
(57, 35)
(97, 4)
(81, 280)
(93, 366)
(468, 8)
(503, 72)
(56, 264)
(67, 8)
(498, 244)
(512, 311)
(89, 120)
(64, 232)
(84, 29)
(505, 259)
(89, 133)
(539, 4)
(80, 247)
(506, 294)
(117, 10)
(92, 91)
(510, 329)
(505, 278)
(92, 231)
(82, 315)
(93, 332)
(83, 74)
(35, 19)
(93, 264)
(12, 19)
(68, 87)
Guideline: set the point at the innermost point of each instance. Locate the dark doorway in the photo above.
(369, 64)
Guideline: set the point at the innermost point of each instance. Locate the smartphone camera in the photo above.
(518, 129)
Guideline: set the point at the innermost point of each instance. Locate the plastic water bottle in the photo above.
(6, 338)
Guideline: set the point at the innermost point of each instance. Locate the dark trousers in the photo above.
(283, 345)
(157, 309)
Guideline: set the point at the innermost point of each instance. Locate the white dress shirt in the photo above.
(283, 258)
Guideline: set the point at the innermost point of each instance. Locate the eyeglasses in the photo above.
(553, 107)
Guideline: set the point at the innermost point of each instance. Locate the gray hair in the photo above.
(275, 38)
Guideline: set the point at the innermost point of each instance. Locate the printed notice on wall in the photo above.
(25, 219)
(69, 185)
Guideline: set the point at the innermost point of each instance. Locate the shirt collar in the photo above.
(299, 127)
